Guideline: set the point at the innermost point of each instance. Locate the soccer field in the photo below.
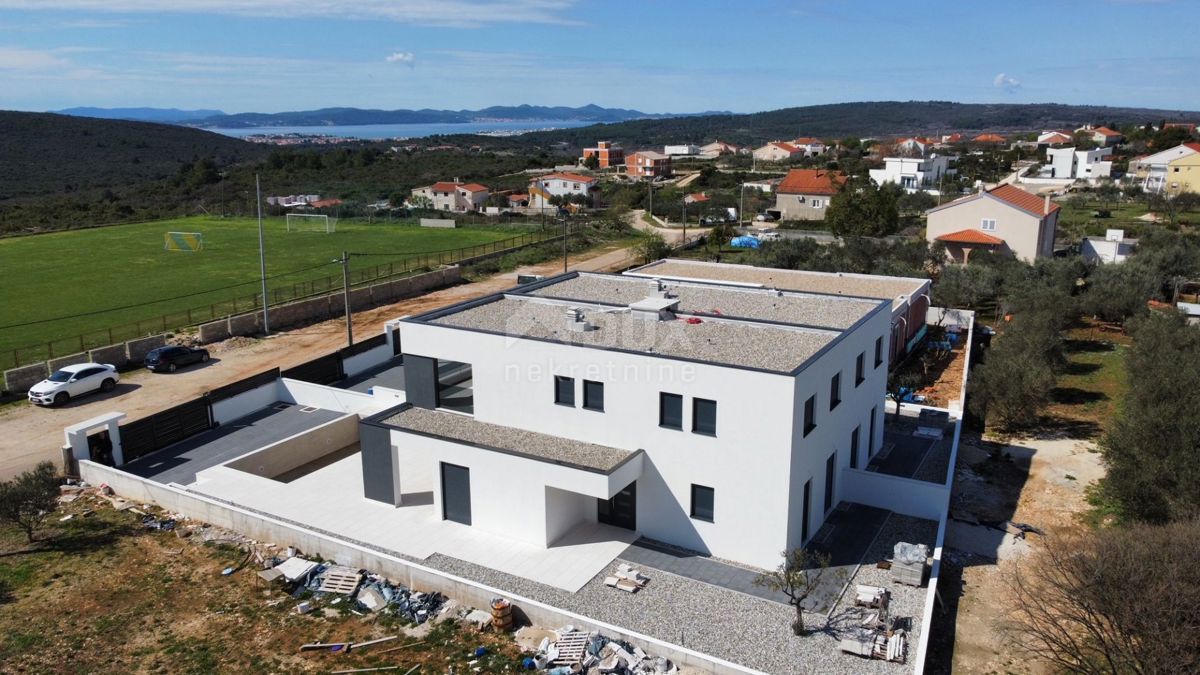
(89, 281)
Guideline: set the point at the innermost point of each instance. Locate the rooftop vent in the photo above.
(576, 322)
(658, 289)
(659, 308)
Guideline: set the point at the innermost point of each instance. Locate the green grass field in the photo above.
(65, 274)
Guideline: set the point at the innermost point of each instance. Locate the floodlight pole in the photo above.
(262, 256)
(346, 295)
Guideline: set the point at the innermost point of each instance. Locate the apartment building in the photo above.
(453, 196)
(698, 414)
(1159, 172)
(647, 164)
(1079, 164)
(912, 173)
(608, 154)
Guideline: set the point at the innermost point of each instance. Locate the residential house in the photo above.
(913, 173)
(811, 146)
(453, 196)
(1047, 138)
(766, 185)
(1189, 126)
(1102, 136)
(778, 151)
(718, 148)
(695, 198)
(1157, 173)
(804, 194)
(569, 185)
(1113, 247)
(1005, 219)
(1086, 165)
(684, 150)
(951, 139)
(988, 139)
(518, 199)
(647, 164)
(1183, 173)
(328, 202)
(608, 154)
(917, 145)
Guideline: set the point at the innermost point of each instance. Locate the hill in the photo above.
(876, 118)
(46, 153)
(165, 115)
(359, 116)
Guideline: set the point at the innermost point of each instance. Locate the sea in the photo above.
(402, 131)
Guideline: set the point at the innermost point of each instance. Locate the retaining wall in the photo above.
(57, 364)
(21, 379)
(413, 575)
(214, 331)
(137, 349)
(300, 449)
(115, 355)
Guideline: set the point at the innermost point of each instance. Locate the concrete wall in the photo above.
(367, 360)
(137, 349)
(246, 324)
(21, 379)
(57, 364)
(214, 331)
(329, 398)
(917, 498)
(245, 403)
(298, 450)
(114, 355)
(415, 576)
(437, 222)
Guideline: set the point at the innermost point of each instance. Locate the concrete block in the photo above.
(112, 354)
(139, 348)
(214, 331)
(245, 324)
(360, 299)
(21, 379)
(55, 364)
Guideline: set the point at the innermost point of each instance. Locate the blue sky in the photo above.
(653, 55)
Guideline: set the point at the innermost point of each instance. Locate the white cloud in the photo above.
(457, 13)
(1006, 82)
(406, 58)
(18, 58)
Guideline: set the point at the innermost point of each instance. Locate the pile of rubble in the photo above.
(574, 651)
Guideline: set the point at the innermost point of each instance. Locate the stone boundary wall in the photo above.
(122, 355)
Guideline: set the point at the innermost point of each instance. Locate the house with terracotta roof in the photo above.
(1055, 138)
(718, 148)
(778, 151)
(811, 146)
(988, 138)
(452, 196)
(1102, 136)
(567, 185)
(608, 154)
(949, 139)
(804, 194)
(1160, 171)
(1005, 219)
(918, 145)
(647, 164)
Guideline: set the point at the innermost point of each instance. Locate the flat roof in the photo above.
(544, 447)
(734, 342)
(825, 311)
(897, 289)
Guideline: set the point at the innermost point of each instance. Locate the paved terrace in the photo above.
(825, 311)
(773, 348)
(180, 462)
(860, 285)
(508, 439)
(388, 374)
(908, 453)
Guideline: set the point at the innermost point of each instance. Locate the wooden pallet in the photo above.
(571, 648)
(341, 580)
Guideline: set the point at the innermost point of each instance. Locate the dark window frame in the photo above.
(810, 415)
(696, 417)
(830, 480)
(588, 404)
(558, 399)
(879, 351)
(835, 390)
(663, 397)
(860, 369)
(855, 442)
(712, 503)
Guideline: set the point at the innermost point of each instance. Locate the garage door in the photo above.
(456, 493)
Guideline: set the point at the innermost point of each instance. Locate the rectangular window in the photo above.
(854, 446)
(704, 416)
(878, 351)
(564, 390)
(859, 369)
(987, 224)
(830, 465)
(670, 410)
(805, 516)
(871, 440)
(835, 390)
(702, 503)
(810, 414)
(816, 203)
(593, 395)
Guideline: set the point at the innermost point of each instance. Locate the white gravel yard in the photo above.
(732, 625)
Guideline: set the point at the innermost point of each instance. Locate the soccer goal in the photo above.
(188, 242)
(311, 222)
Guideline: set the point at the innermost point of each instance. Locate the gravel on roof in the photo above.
(528, 443)
(867, 286)
(733, 625)
(699, 298)
(737, 343)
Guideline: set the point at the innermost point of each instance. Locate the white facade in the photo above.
(1079, 164)
(1113, 247)
(454, 197)
(542, 189)
(686, 150)
(912, 173)
(756, 463)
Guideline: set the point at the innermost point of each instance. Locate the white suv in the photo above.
(74, 380)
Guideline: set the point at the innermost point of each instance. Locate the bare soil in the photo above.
(29, 434)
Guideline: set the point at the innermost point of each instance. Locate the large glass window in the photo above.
(564, 390)
(670, 410)
(704, 416)
(702, 503)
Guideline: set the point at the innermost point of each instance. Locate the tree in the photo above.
(1013, 383)
(1151, 449)
(797, 577)
(899, 382)
(26, 500)
(1112, 601)
(652, 247)
(592, 161)
(859, 208)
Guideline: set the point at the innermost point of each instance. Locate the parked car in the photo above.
(74, 380)
(170, 358)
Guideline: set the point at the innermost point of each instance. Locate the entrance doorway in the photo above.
(621, 510)
(456, 493)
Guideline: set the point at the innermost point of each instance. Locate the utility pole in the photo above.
(566, 232)
(346, 295)
(262, 256)
(741, 203)
(684, 242)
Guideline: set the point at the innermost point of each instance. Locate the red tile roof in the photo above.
(572, 177)
(988, 138)
(1191, 146)
(1021, 199)
(444, 186)
(518, 197)
(806, 140)
(971, 237)
(1105, 131)
(474, 187)
(812, 182)
(323, 203)
(698, 197)
(786, 147)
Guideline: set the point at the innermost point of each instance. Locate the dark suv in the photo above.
(172, 357)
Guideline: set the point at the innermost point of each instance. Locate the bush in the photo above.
(26, 500)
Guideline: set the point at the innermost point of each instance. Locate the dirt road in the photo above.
(29, 434)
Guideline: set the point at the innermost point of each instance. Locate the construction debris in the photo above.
(340, 580)
(574, 651)
(908, 563)
(627, 579)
